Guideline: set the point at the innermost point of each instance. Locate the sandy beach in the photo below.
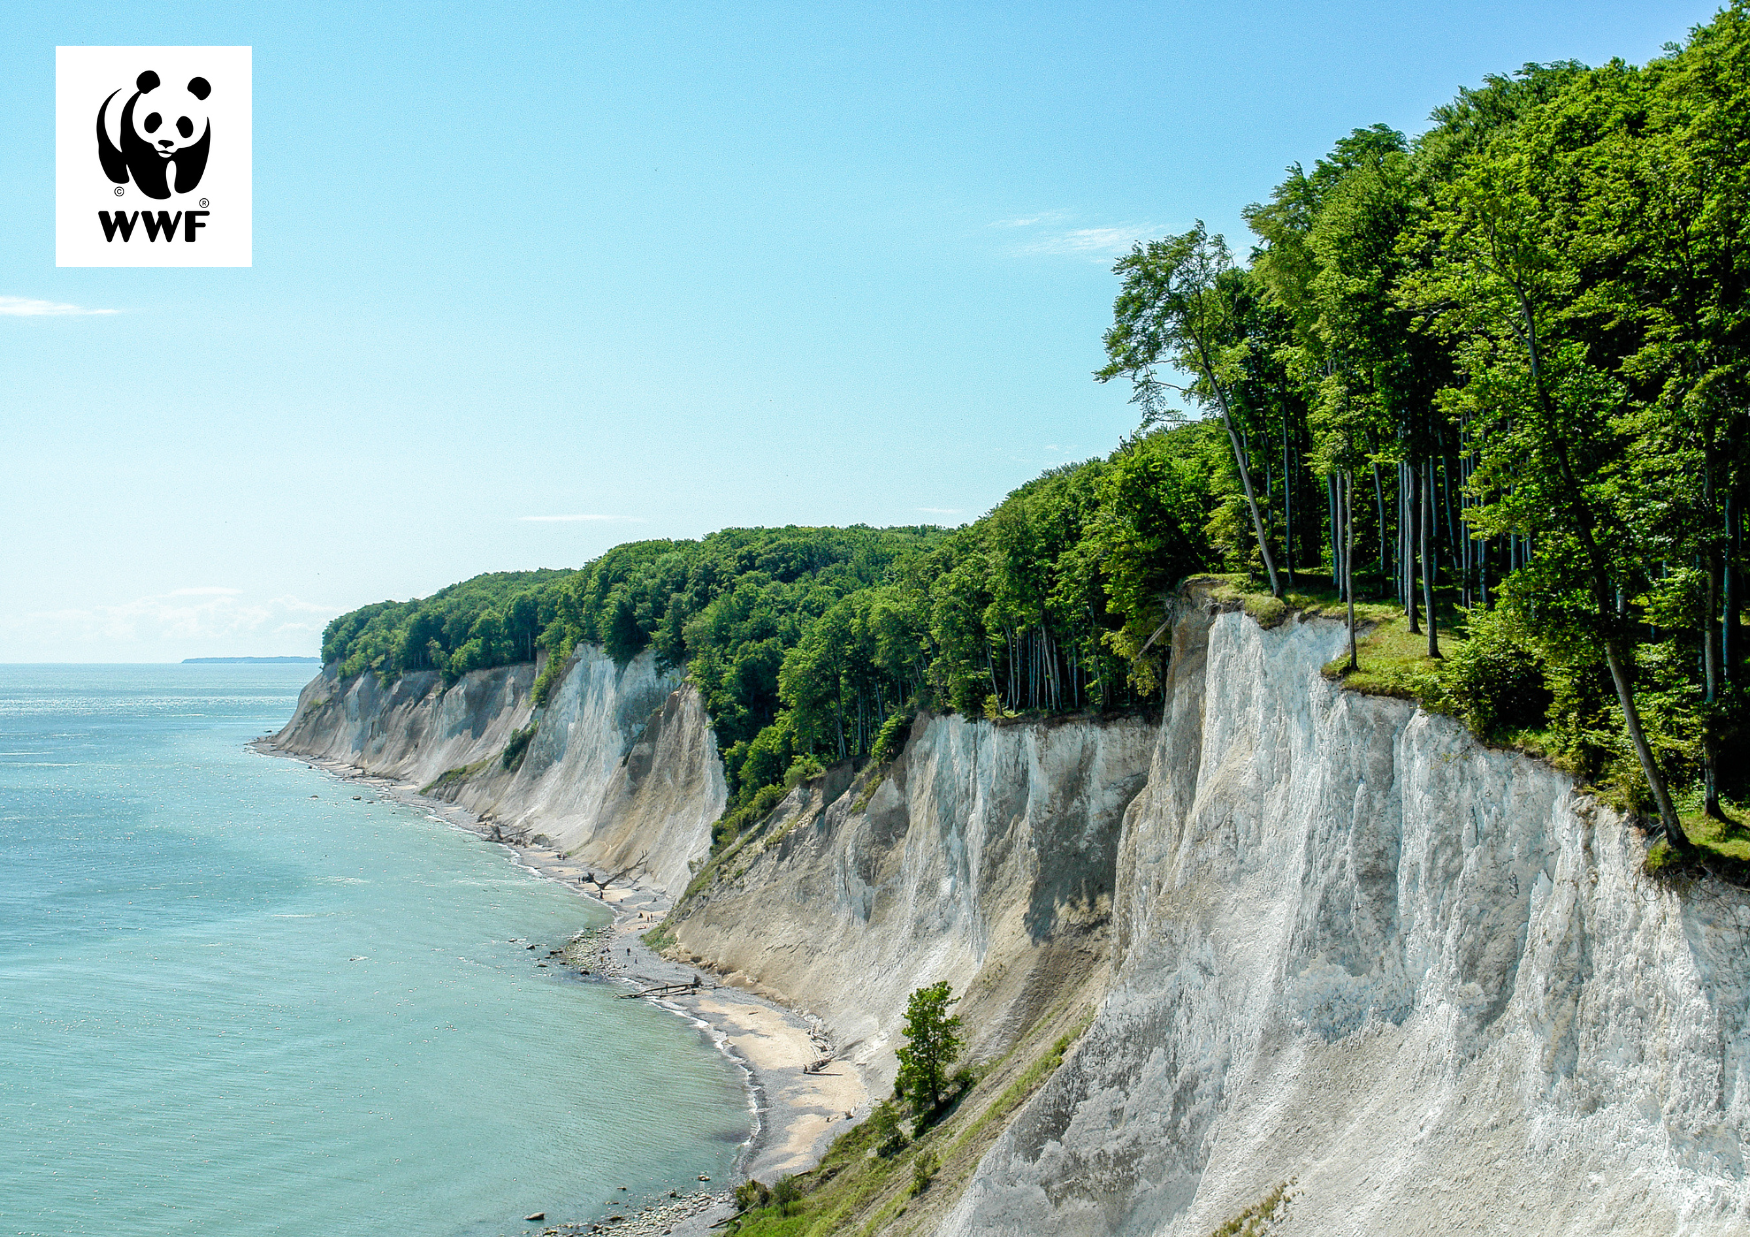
(796, 1111)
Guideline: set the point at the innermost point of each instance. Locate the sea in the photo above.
(239, 996)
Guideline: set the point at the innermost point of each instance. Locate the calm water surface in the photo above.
(229, 1007)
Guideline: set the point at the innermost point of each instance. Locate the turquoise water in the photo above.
(229, 1007)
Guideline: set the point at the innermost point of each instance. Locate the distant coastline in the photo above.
(252, 661)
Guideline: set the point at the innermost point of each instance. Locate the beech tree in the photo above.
(1174, 310)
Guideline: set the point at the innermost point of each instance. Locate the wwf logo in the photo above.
(161, 127)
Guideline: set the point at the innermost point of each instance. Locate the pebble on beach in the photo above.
(652, 1221)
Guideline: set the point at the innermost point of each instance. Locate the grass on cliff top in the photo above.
(1729, 837)
(1724, 846)
(1393, 661)
(1311, 596)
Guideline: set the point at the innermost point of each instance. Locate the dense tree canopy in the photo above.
(808, 644)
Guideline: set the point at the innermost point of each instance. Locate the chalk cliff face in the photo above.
(408, 729)
(1421, 979)
(985, 855)
(622, 770)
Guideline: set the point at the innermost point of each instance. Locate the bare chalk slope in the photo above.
(622, 771)
(984, 855)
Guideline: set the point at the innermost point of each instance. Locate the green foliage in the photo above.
(887, 1128)
(489, 620)
(1158, 500)
(733, 822)
(787, 1196)
(750, 1194)
(923, 1171)
(1495, 677)
(803, 768)
(932, 1043)
(890, 739)
(518, 746)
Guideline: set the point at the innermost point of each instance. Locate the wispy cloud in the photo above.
(938, 510)
(1104, 242)
(1028, 221)
(188, 614)
(1048, 234)
(580, 519)
(25, 307)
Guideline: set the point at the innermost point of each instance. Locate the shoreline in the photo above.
(794, 1114)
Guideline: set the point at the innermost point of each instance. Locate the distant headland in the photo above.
(252, 661)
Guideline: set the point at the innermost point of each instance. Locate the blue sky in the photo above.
(531, 280)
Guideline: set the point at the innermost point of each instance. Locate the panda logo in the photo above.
(161, 126)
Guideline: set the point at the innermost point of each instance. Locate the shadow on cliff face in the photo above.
(1077, 850)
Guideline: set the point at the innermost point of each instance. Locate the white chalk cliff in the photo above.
(1329, 937)
(622, 770)
(1423, 979)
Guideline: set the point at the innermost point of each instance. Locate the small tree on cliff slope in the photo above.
(932, 1044)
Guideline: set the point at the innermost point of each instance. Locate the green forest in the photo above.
(1522, 335)
(813, 645)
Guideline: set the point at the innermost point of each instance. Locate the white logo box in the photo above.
(143, 219)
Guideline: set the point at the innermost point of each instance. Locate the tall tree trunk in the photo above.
(1287, 503)
(1463, 549)
(1448, 492)
(1413, 478)
(1336, 531)
(1711, 660)
(1233, 439)
(1583, 528)
(1428, 562)
(1384, 545)
(1631, 716)
(1734, 602)
(1712, 633)
(1349, 559)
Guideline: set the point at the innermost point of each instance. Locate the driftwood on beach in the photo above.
(666, 990)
